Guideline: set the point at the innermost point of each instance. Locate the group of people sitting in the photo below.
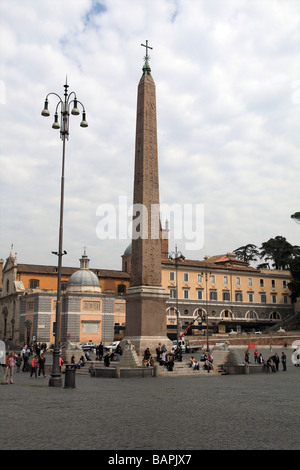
(206, 358)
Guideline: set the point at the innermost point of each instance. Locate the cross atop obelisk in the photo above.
(146, 67)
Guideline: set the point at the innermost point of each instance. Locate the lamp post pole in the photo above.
(175, 256)
(64, 104)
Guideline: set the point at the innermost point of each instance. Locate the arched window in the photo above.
(251, 315)
(226, 314)
(274, 316)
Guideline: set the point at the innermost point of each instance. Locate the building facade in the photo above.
(89, 312)
(227, 291)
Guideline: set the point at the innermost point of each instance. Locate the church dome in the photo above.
(128, 250)
(84, 280)
(84, 277)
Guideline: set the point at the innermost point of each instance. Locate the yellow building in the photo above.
(234, 295)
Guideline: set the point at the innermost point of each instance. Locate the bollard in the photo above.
(70, 376)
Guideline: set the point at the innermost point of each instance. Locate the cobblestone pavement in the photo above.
(259, 411)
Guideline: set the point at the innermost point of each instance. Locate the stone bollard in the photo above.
(70, 376)
(117, 373)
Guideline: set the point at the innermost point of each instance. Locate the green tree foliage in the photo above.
(281, 254)
(247, 253)
(279, 251)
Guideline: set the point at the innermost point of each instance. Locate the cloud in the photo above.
(227, 81)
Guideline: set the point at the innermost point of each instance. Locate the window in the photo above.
(238, 297)
(212, 279)
(172, 311)
(185, 293)
(261, 283)
(213, 295)
(172, 293)
(284, 284)
(285, 298)
(275, 316)
(250, 282)
(250, 297)
(263, 298)
(225, 280)
(238, 281)
(172, 276)
(273, 283)
(200, 294)
(121, 289)
(185, 277)
(34, 283)
(226, 295)
(199, 278)
(274, 298)
(251, 315)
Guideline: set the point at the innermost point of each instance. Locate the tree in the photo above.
(247, 253)
(296, 217)
(294, 285)
(280, 251)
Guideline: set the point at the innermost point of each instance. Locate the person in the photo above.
(208, 365)
(158, 352)
(106, 360)
(99, 351)
(283, 360)
(73, 359)
(163, 358)
(196, 365)
(42, 361)
(192, 360)
(276, 361)
(271, 364)
(18, 362)
(87, 355)
(34, 366)
(255, 356)
(25, 361)
(260, 359)
(6, 370)
(147, 356)
(247, 357)
(12, 363)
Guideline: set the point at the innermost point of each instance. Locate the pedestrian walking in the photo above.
(41, 363)
(34, 366)
(12, 363)
(283, 361)
(18, 362)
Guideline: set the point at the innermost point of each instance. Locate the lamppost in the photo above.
(64, 106)
(175, 256)
(206, 302)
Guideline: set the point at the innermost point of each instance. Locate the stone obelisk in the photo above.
(145, 298)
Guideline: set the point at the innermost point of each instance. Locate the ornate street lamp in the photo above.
(205, 317)
(174, 257)
(64, 106)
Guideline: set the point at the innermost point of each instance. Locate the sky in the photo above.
(227, 75)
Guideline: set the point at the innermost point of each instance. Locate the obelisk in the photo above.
(145, 298)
